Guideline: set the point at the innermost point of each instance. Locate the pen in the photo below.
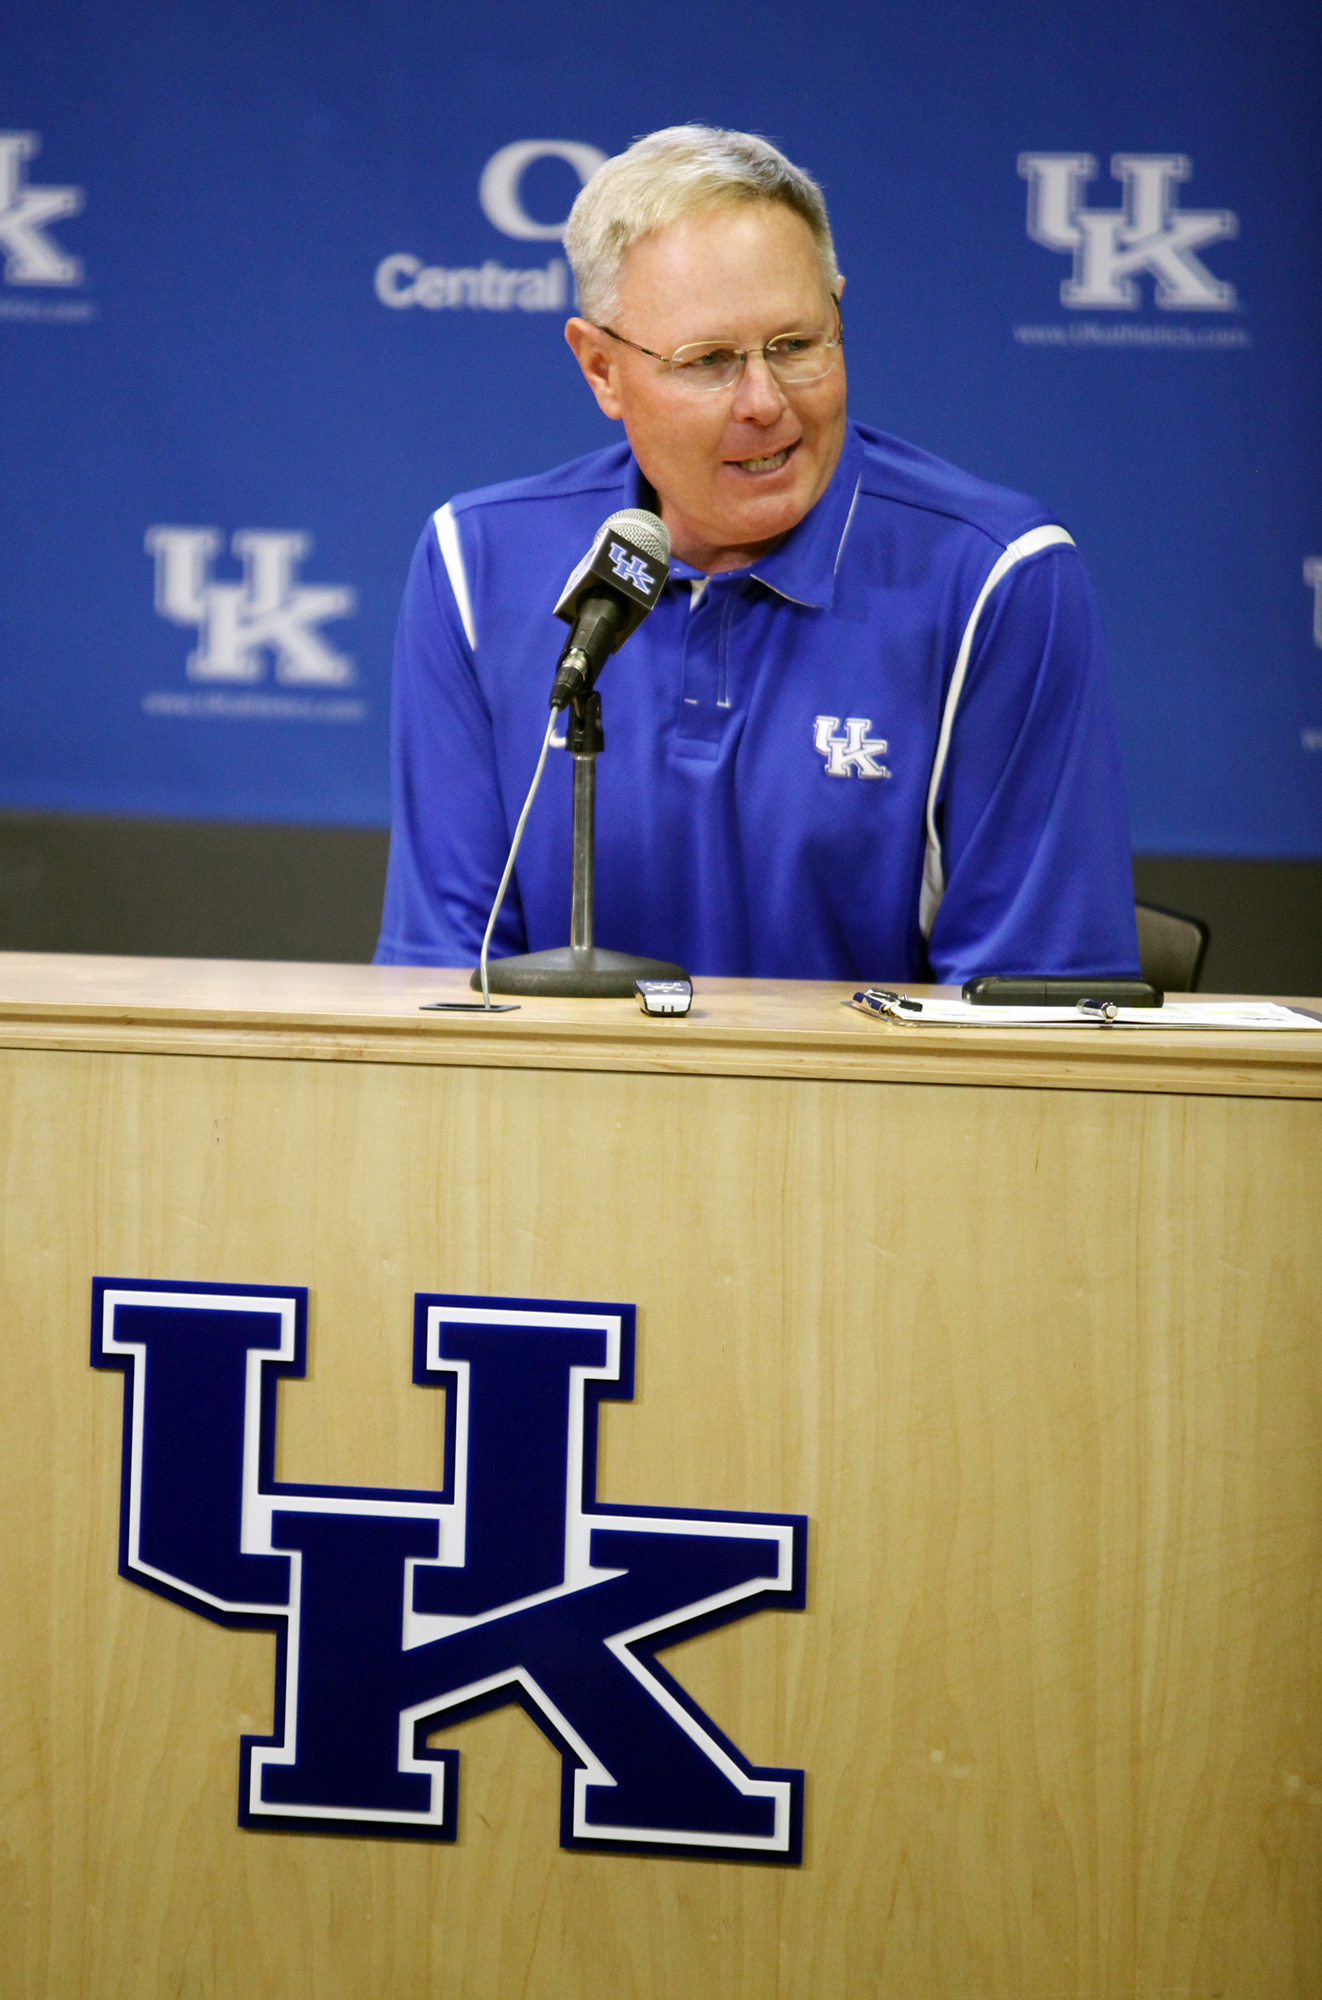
(1098, 1010)
(881, 1000)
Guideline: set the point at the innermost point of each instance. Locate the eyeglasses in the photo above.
(704, 365)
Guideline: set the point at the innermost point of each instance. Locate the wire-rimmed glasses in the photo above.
(704, 365)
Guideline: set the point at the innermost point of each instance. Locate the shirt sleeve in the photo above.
(449, 835)
(1031, 810)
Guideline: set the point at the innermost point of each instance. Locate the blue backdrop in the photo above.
(278, 279)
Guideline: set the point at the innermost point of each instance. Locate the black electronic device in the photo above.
(989, 991)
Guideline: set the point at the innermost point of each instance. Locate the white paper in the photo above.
(1236, 1014)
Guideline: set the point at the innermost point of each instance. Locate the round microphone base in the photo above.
(584, 973)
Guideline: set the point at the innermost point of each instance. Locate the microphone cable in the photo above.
(509, 865)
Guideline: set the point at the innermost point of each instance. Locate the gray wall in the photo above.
(185, 889)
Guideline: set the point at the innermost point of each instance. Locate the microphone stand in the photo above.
(580, 969)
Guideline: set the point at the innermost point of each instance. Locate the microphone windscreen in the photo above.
(622, 548)
(608, 595)
(647, 532)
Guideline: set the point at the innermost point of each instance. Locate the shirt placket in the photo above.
(705, 704)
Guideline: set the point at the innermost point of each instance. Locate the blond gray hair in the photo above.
(668, 176)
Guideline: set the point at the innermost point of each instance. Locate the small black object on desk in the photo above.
(989, 991)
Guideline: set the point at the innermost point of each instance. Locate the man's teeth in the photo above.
(770, 464)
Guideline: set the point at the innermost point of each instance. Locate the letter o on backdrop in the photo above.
(498, 189)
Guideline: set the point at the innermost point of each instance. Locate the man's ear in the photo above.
(594, 355)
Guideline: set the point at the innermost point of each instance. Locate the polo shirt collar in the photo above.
(801, 568)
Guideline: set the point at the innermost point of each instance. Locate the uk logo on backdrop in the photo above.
(1313, 581)
(34, 258)
(1311, 736)
(266, 627)
(400, 1613)
(1147, 248)
(403, 280)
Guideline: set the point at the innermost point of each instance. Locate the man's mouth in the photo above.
(771, 463)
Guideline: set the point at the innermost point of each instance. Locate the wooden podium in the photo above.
(1029, 1325)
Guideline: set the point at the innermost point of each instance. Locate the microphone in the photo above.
(608, 596)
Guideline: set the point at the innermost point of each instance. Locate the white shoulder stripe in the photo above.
(934, 882)
(447, 536)
(848, 520)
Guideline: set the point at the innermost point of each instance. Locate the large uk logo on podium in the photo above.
(400, 1613)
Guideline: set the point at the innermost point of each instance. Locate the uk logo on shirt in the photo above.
(854, 754)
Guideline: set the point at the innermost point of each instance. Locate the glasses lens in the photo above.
(800, 357)
(707, 364)
(718, 364)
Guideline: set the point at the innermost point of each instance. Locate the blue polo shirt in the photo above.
(883, 750)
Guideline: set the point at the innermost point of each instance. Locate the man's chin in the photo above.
(743, 523)
(763, 517)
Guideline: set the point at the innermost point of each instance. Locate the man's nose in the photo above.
(759, 398)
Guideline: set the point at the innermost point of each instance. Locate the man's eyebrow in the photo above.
(801, 325)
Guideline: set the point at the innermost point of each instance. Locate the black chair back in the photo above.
(1171, 947)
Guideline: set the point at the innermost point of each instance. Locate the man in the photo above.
(866, 732)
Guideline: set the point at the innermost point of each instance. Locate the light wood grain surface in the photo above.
(737, 1027)
(1043, 1366)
